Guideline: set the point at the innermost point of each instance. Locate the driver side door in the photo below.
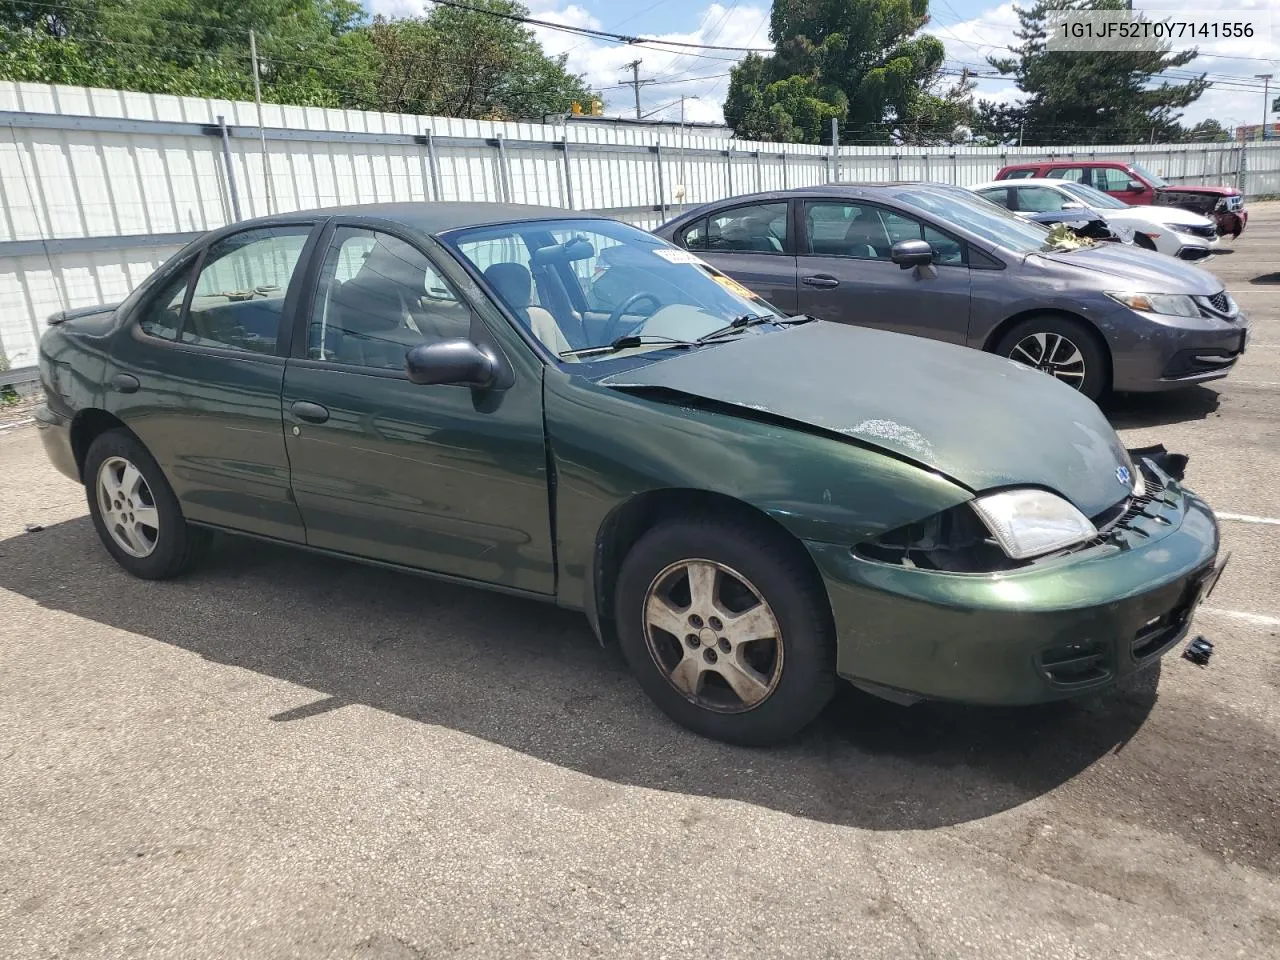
(446, 478)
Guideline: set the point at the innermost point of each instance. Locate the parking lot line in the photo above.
(1246, 518)
(1258, 618)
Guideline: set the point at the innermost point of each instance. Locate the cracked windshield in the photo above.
(595, 289)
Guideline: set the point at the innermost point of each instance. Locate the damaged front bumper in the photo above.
(1070, 624)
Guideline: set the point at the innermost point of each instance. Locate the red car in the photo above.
(1138, 186)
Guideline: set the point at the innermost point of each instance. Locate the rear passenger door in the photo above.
(444, 478)
(751, 243)
(199, 380)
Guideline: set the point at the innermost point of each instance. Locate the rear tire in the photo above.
(749, 656)
(136, 512)
(1061, 347)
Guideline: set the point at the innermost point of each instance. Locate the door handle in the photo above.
(124, 383)
(308, 411)
(820, 280)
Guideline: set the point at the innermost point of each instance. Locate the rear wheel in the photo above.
(135, 511)
(726, 630)
(1063, 348)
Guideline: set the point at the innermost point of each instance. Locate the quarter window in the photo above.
(695, 237)
(378, 296)
(161, 316)
(239, 295)
(758, 228)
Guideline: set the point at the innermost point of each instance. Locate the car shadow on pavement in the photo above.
(1136, 410)
(531, 677)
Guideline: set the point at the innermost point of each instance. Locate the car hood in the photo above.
(1167, 215)
(1216, 191)
(1114, 267)
(982, 421)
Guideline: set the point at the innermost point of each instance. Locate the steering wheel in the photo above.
(615, 318)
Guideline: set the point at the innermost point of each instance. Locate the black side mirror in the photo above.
(1135, 187)
(454, 361)
(911, 253)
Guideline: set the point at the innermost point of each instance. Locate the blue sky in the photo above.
(970, 30)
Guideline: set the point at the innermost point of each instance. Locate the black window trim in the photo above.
(196, 264)
(788, 245)
(851, 201)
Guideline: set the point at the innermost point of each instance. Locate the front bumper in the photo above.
(1152, 352)
(1070, 625)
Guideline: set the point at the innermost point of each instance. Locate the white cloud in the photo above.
(1236, 97)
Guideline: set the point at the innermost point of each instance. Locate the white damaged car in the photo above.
(1178, 233)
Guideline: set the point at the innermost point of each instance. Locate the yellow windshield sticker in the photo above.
(733, 286)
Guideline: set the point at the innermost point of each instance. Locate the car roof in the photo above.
(852, 191)
(1064, 163)
(1022, 182)
(432, 217)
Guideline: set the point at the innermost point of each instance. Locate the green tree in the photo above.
(863, 58)
(1095, 96)
(1206, 131)
(461, 64)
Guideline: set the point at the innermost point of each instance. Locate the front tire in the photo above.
(726, 629)
(136, 512)
(1062, 347)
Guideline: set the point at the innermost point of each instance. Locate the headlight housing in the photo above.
(1029, 522)
(1169, 304)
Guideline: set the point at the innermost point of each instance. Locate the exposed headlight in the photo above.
(1169, 304)
(1027, 523)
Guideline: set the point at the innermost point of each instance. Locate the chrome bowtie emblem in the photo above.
(1123, 475)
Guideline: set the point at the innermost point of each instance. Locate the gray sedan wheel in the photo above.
(1061, 347)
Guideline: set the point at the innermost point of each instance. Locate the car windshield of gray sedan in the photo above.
(1094, 198)
(597, 289)
(982, 217)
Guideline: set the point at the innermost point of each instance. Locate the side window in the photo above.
(758, 228)
(239, 295)
(1111, 180)
(695, 237)
(1039, 200)
(839, 229)
(900, 227)
(1075, 174)
(1019, 174)
(377, 297)
(161, 314)
(998, 195)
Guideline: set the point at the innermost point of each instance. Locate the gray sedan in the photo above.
(936, 261)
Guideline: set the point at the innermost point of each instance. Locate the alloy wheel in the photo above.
(713, 636)
(128, 507)
(1054, 354)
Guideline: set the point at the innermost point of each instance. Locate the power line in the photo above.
(589, 32)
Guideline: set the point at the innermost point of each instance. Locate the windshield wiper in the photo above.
(627, 342)
(741, 323)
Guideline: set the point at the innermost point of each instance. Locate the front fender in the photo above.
(608, 447)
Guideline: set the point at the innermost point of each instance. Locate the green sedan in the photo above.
(567, 408)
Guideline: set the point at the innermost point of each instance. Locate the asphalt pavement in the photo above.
(287, 756)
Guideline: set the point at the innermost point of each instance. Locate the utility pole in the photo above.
(262, 133)
(635, 82)
(684, 188)
(1266, 102)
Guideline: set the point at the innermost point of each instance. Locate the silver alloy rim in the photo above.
(713, 636)
(1054, 354)
(128, 508)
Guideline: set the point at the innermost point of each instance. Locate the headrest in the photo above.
(513, 282)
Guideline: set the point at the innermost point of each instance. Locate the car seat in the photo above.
(866, 237)
(514, 284)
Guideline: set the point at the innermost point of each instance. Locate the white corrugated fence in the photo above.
(98, 187)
